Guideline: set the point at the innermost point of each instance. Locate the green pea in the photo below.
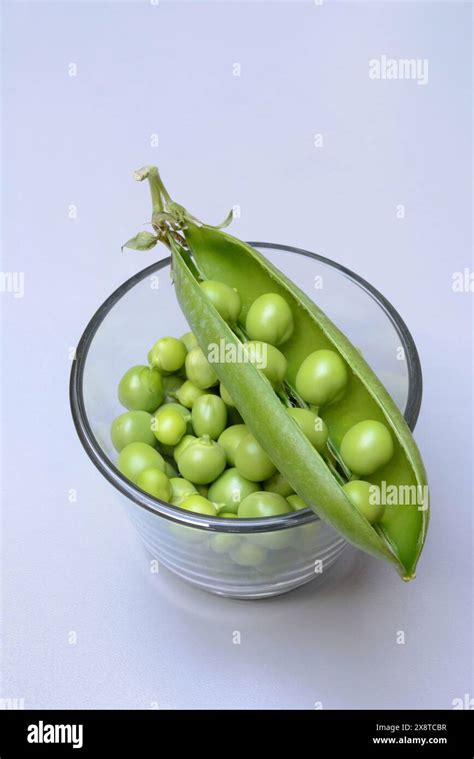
(252, 461)
(182, 410)
(199, 505)
(268, 359)
(189, 340)
(366, 498)
(188, 393)
(230, 440)
(277, 484)
(270, 319)
(184, 442)
(248, 554)
(366, 447)
(199, 371)
(263, 504)
(225, 396)
(322, 377)
(296, 503)
(225, 299)
(169, 426)
(181, 488)
(132, 427)
(312, 426)
(209, 416)
(167, 355)
(266, 504)
(141, 389)
(156, 483)
(230, 489)
(227, 515)
(202, 461)
(136, 457)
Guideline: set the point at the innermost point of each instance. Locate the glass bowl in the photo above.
(244, 558)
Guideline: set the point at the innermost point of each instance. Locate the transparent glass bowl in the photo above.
(245, 558)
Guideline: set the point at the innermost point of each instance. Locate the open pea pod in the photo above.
(402, 529)
(207, 251)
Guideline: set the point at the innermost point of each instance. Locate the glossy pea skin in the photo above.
(184, 442)
(141, 389)
(230, 489)
(271, 362)
(199, 505)
(170, 426)
(225, 299)
(209, 416)
(313, 427)
(252, 461)
(199, 371)
(132, 427)
(230, 440)
(167, 355)
(185, 413)
(277, 484)
(136, 457)
(366, 447)
(269, 318)
(296, 503)
(362, 494)
(181, 488)
(156, 483)
(202, 461)
(188, 393)
(322, 377)
(189, 340)
(263, 504)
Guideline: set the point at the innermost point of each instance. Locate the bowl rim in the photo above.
(174, 513)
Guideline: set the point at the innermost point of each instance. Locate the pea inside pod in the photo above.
(322, 369)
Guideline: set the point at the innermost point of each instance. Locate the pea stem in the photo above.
(156, 186)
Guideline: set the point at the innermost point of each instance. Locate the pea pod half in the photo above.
(201, 250)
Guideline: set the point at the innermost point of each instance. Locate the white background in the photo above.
(143, 639)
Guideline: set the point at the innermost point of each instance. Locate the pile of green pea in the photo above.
(183, 441)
